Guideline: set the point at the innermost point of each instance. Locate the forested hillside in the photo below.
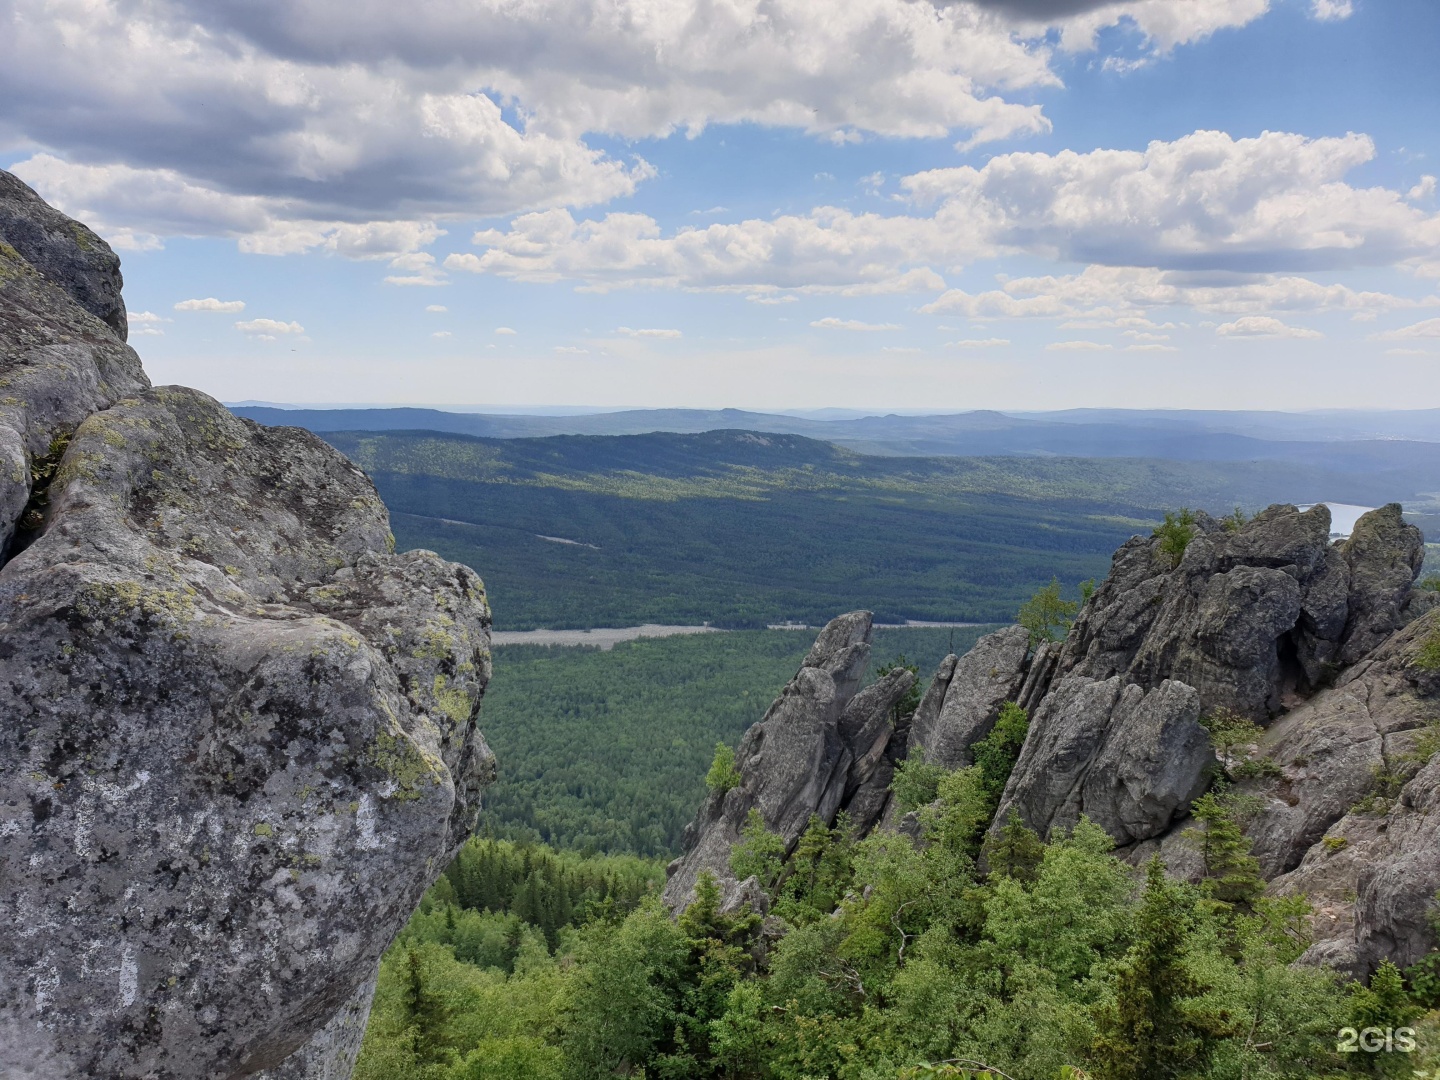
(744, 529)
(607, 751)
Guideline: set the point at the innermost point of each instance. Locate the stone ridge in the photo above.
(1322, 643)
(243, 734)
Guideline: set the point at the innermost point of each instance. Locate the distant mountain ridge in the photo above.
(1342, 440)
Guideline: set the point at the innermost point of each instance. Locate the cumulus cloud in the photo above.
(144, 317)
(1203, 201)
(270, 327)
(287, 122)
(418, 268)
(978, 343)
(830, 322)
(1264, 326)
(1423, 190)
(211, 304)
(504, 330)
(1205, 204)
(648, 332)
(441, 334)
(438, 309)
(1103, 296)
(1429, 328)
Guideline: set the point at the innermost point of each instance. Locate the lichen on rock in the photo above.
(237, 750)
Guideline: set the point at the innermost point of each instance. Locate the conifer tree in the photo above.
(1152, 1028)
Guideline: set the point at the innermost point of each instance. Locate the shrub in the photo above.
(759, 853)
(723, 775)
(1428, 658)
(1175, 534)
(916, 782)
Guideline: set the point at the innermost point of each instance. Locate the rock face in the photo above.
(970, 693)
(819, 746)
(1250, 618)
(1129, 759)
(242, 734)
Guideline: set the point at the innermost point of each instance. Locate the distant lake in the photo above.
(1342, 517)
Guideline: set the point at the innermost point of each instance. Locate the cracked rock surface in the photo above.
(239, 734)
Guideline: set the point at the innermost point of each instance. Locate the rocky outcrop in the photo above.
(1352, 816)
(1255, 618)
(1130, 759)
(964, 699)
(242, 733)
(819, 746)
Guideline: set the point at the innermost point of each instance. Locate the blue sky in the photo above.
(756, 203)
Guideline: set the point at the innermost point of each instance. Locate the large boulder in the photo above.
(240, 734)
(818, 747)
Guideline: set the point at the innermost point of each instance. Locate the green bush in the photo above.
(723, 775)
(1175, 534)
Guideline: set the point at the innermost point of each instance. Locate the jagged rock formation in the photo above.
(1250, 618)
(1329, 644)
(819, 748)
(242, 734)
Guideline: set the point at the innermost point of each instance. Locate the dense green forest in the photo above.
(743, 529)
(606, 751)
(884, 960)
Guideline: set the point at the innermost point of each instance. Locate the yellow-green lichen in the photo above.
(407, 766)
(262, 829)
(107, 598)
(455, 701)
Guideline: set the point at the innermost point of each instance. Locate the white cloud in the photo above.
(441, 334)
(571, 350)
(1077, 346)
(650, 332)
(1331, 10)
(1205, 203)
(438, 309)
(830, 322)
(504, 330)
(286, 123)
(1408, 352)
(145, 317)
(1106, 296)
(270, 327)
(211, 304)
(1423, 190)
(1151, 347)
(906, 350)
(421, 270)
(978, 343)
(1264, 326)
(146, 331)
(1429, 328)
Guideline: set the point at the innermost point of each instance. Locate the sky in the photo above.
(772, 204)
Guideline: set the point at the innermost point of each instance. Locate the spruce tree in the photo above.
(1152, 1029)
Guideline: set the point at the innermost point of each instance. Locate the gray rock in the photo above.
(1384, 555)
(986, 677)
(331, 1053)
(1255, 619)
(819, 743)
(1129, 759)
(65, 252)
(243, 734)
(58, 364)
